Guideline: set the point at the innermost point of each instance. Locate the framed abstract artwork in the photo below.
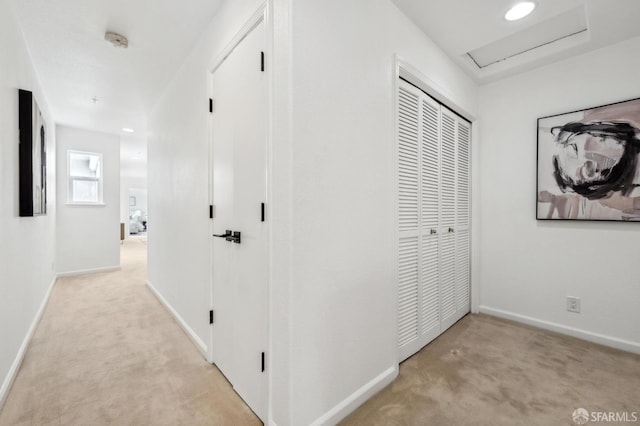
(32, 157)
(588, 164)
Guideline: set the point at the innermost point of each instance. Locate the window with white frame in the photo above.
(85, 177)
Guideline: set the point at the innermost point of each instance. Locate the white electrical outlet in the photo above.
(573, 304)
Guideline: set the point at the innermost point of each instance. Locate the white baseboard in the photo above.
(17, 362)
(353, 401)
(601, 339)
(192, 335)
(89, 271)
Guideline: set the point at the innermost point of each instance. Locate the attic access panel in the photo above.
(563, 26)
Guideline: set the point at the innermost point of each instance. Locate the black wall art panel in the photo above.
(32, 157)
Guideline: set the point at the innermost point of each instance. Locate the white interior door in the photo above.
(239, 137)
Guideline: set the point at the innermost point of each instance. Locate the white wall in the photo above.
(331, 193)
(88, 237)
(27, 249)
(344, 247)
(528, 267)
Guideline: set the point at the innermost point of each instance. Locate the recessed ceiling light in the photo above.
(128, 130)
(519, 11)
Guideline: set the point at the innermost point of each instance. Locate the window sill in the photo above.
(86, 204)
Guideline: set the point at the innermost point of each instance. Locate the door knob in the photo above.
(433, 231)
(450, 229)
(226, 234)
(232, 236)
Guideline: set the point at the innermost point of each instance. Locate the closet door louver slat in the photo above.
(408, 161)
(462, 273)
(430, 300)
(408, 291)
(448, 173)
(463, 170)
(430, 185)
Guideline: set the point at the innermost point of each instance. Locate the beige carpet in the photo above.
(107, 352)
(486, 371)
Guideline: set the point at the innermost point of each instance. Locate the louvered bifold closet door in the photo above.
(448, 219)
(430, 219)
(409, 121)
(463, 219)
(433, 219)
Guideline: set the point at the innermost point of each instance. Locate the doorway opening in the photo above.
(138, 212)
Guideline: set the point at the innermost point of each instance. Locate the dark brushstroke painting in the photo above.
(588, 164)
(32, 157)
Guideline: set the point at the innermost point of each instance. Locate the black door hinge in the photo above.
(210, 211)
(262, 212)
(211, 317)
(210, 105)
(262, 61)
(262, 363)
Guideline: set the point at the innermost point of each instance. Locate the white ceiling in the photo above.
(461, 26)
(75, 63)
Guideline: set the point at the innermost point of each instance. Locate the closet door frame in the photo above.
(404, 70)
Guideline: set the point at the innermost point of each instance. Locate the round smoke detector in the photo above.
(118, 40)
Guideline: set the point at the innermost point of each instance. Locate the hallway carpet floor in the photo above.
(107, 352)
(488, 371)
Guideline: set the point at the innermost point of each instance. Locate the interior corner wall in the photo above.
(27, 249)
(344, 337)
(88, 237)
(178, 176)
(529, 267)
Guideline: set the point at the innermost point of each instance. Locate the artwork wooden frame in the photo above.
(588, 164)
(32, 157)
